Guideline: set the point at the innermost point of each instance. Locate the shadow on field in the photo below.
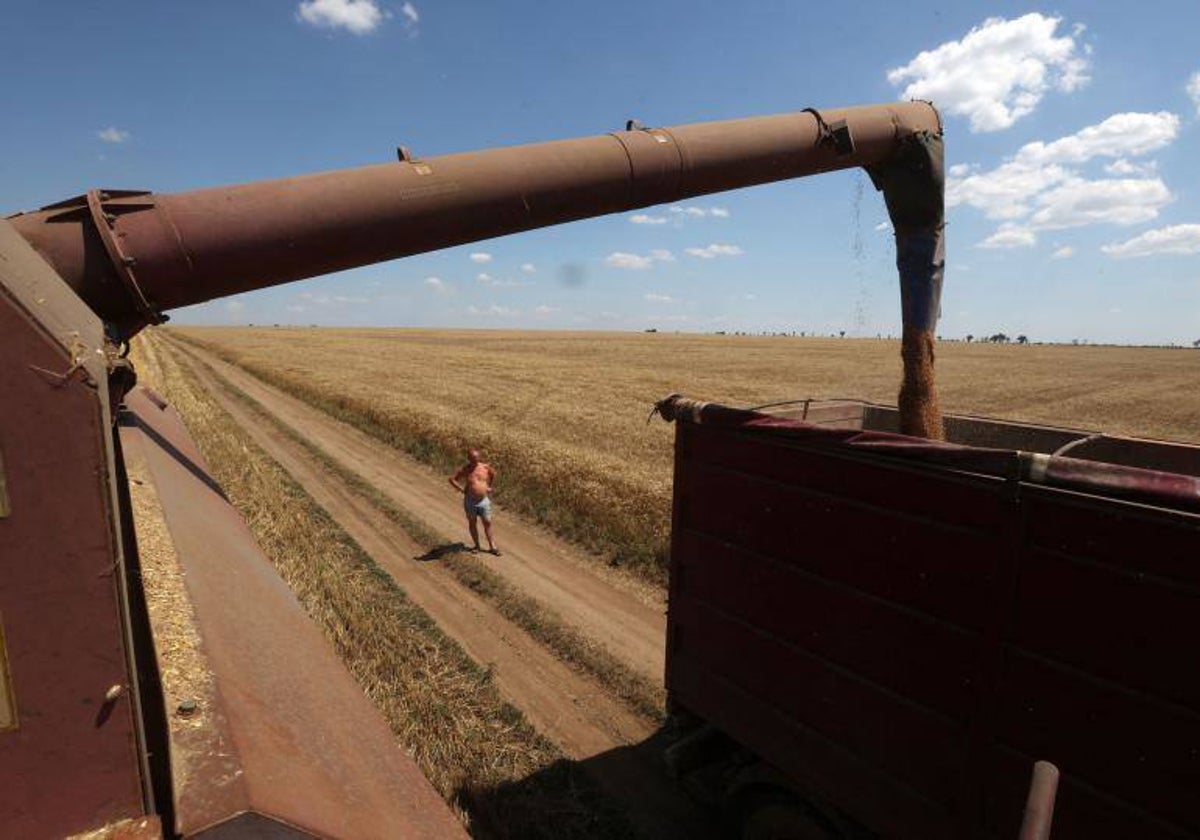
(622, 792)
(440, 551)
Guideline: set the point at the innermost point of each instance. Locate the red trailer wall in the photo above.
(906, 639)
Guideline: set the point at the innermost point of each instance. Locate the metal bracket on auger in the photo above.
(122, 263)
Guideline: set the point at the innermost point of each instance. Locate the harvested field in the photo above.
(505, 778)
(563, 415)
(536, 618)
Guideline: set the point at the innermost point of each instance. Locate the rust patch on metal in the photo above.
(146, 827)
(4, 508)
(407, 193)
(8, 701)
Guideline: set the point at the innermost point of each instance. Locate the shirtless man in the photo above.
(477, 478)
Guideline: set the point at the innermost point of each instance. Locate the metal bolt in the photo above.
(130, 261)
(113, 693)
(187, 707)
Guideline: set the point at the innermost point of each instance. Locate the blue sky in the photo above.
(1071, 131)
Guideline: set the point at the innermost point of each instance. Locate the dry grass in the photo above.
(477, 750)
(562, 415)
(542, 623)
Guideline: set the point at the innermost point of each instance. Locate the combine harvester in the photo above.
(866, 646)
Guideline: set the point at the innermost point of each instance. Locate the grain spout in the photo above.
(913, 185)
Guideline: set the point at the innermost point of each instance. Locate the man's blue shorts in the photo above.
(478, 507)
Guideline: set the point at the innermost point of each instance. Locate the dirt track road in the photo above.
(586, 722)
(625, 617)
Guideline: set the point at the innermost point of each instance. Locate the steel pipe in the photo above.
(131, 255)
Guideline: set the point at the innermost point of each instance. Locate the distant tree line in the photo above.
(998, 338)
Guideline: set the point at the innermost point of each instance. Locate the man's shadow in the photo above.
(438, 552)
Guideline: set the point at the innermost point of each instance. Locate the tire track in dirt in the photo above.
(613, 743)
(626, 618)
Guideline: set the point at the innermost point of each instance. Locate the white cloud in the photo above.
(235, 308)
(1041, 185)
(697, 212)
(1122, 134)
(330, 300)
(717, 249)
(499, 282)
(1063, 253)
(645, 219)
(1010, 236)
(1077, 202)
(1193, 90)
(637, 262)
(654, 297)
(528, 268)
(750, 296)
(630, 262)
(1007, 191)
(481, 257)
(357, 16)
(436, 283)
(1175, 239)
(494, 311)
(998, 72)
(1122, 166)
(1003, 192)
(883, 226)
(112, 134)
(411, 16)
(544, 310)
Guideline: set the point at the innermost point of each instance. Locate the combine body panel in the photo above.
(63, 639)
(901, 628)
(258, 729)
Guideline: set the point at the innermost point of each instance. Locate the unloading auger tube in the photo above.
(133, 255)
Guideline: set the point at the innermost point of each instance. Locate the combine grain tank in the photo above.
(235, 717)
(898, 628)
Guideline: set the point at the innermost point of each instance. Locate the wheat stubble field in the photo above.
(563, 414)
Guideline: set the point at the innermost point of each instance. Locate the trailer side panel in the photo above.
(903, 638)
